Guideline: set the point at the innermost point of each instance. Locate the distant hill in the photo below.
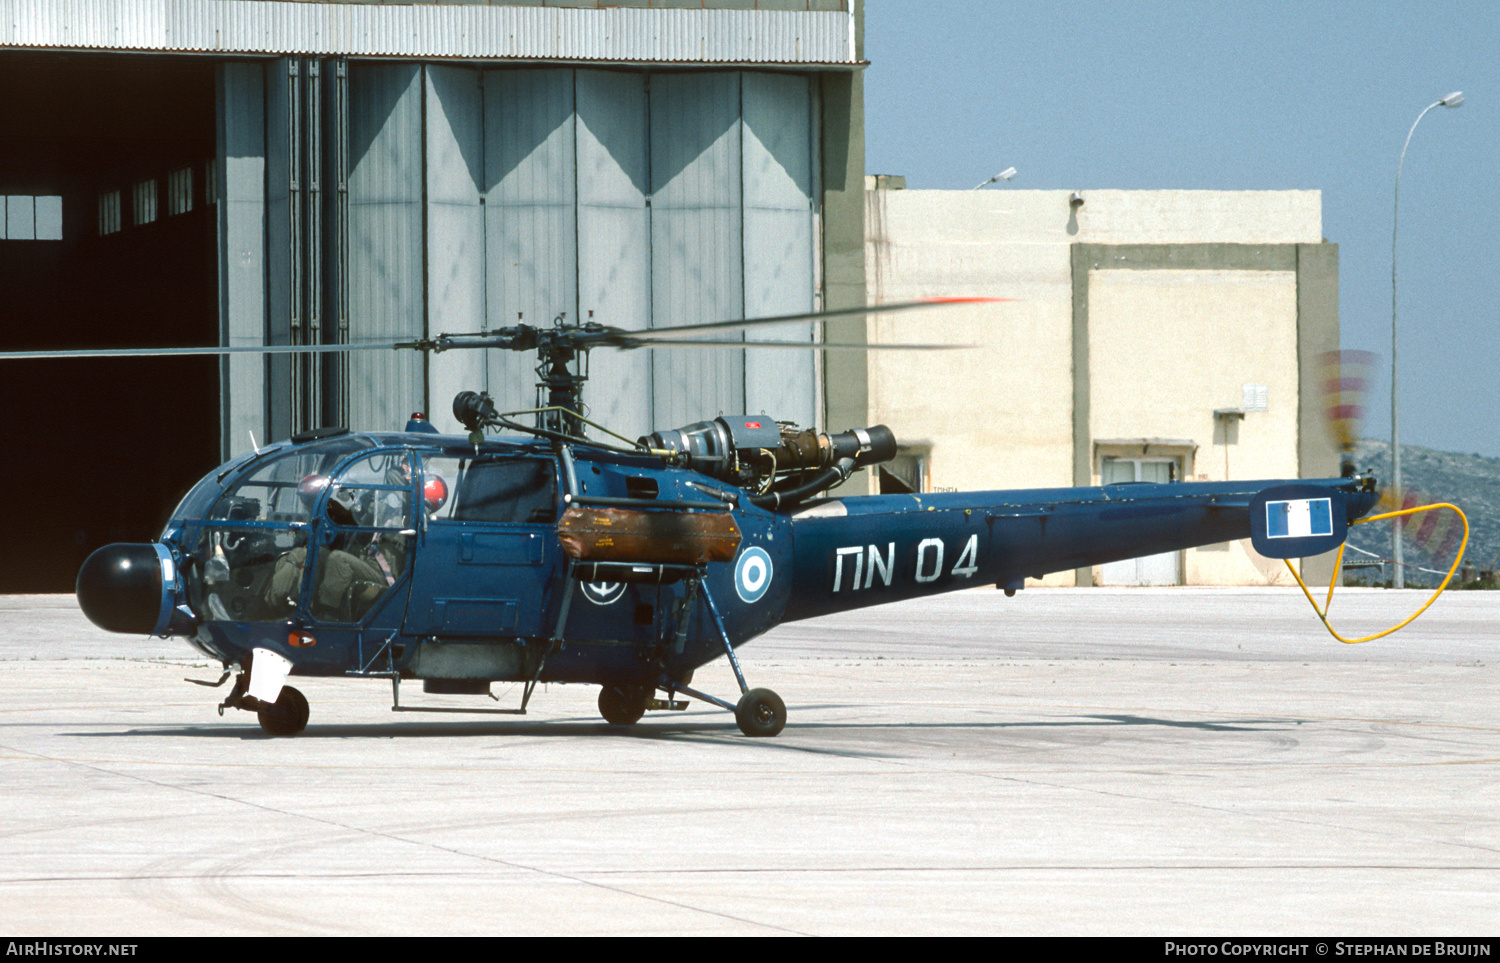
(1472, 482)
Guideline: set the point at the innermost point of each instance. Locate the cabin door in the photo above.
(486, 564)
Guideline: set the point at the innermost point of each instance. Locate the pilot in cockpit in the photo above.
(357, 566)
(346, 584)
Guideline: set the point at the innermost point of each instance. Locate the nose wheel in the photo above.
(287, 716)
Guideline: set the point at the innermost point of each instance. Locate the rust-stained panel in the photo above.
(650, 536)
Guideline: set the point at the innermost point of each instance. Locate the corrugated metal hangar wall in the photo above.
(456, 199)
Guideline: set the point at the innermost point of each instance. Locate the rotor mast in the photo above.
(562, 365)
(561, 386)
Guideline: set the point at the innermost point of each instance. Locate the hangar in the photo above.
(244, 172)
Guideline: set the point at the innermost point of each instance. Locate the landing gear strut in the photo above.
(760, 712)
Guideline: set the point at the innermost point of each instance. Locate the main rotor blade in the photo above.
(743, 323)
(174, 352)
(607, 337)
(804, 345)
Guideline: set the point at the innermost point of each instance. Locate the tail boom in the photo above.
(869, 550)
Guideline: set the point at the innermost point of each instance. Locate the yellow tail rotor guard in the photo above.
(1338, 567)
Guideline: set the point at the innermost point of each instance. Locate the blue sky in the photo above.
(1243, 96)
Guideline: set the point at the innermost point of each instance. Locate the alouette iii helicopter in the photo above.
(545, 555)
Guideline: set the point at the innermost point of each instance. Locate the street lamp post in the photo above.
(1004, 175)
(1398, 579)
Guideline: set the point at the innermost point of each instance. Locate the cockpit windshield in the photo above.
(283, 488)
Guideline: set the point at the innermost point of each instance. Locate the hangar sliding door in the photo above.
(697, 267)
(455, 231)
(530, 226)
(651, 201)
(614, 239)
(732, 235)
(635, 200)
(780, 256)
(387, 292)
(468, 199)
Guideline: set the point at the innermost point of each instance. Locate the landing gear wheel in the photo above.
(287, 717)
(760, 713)
(622, 705)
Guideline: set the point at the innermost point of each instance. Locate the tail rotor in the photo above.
(1346, 390)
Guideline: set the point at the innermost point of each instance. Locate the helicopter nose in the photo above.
(120, 588)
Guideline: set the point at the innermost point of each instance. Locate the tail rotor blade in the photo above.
(1346, 390)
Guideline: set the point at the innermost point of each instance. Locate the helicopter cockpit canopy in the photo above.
(255, 557)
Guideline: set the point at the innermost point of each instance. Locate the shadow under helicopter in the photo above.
(716, 732)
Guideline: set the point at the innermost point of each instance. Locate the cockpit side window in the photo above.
(366, 547)
(440, 477)
(513, 490)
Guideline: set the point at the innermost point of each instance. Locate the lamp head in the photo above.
(1454, 99)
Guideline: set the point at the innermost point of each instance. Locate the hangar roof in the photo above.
(818, 39)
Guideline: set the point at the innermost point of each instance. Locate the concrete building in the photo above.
(1152, 336)
(249, 172)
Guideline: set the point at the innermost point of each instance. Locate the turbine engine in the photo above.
(780, 463)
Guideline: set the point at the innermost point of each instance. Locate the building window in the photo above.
(27, 217)
(109, 212)
(905, 474)
(211, 182)
(145, 202)
(1155, 471)
(180, 191)
(1156, 460)
(49, 220)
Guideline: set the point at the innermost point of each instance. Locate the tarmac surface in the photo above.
(1102, 761)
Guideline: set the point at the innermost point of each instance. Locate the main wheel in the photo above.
(622, 705)
(287, 717)
(760, 712)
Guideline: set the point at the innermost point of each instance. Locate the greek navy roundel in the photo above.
(752, 574)
(603, 593)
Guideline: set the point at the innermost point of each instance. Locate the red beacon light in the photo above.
(434, 491)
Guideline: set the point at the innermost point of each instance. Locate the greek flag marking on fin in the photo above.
(1299, 518)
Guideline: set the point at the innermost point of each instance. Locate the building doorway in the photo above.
(105, 159)
(1162, 569)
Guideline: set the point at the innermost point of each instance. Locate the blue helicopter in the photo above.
(526, 551)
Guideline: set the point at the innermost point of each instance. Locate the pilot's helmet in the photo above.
(342, 505)
(310, 488)
(434, 491)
